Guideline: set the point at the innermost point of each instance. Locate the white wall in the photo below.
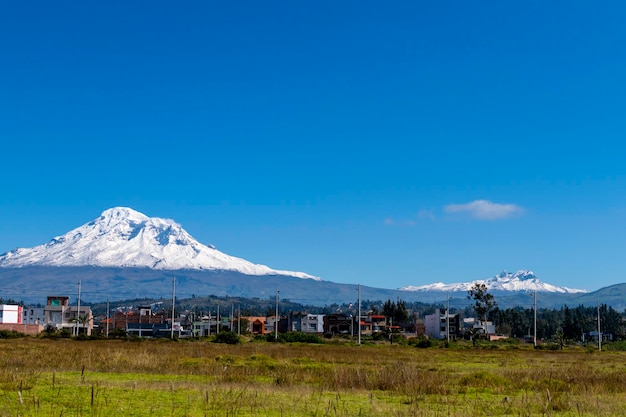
(10, 314)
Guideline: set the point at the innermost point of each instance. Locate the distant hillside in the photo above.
(614, 295)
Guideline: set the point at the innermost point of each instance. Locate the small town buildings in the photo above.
(373, 324)
(479, 327)
(256, 325)
(141, 315)
(379, 323)
(272, 324)
(441, 325)
(305, 322)
(339, 323)
(202, 327)
(11, 319)
(60, 315)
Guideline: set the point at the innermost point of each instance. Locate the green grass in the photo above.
(41, 377)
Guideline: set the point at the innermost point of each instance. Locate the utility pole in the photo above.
(108, 317)
(276, 319)
(599, 332)
(218, 322)
(232, 316)
(535, 318)
(209, 333)
(359, 313)
(447, 318)
(78, 312)
(239, 319)
(173, 302)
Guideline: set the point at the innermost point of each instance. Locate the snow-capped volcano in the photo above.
(522, 280)
(122, 237)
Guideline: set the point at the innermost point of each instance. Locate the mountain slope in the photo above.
(122, 237)
(523, 280)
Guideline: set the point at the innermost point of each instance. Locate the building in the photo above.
(477, 327)
(379, 323)
(60, 315)
(373, 324)
(142, 315)
(256, 324)
(33, 315)
(10, 314)
(305, 322)
(340, 323)
(440, 325)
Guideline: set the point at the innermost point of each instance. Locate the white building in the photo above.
(10, 314)
(441, 324)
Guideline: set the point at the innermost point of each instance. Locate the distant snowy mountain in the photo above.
(124, 238)
(522, 280)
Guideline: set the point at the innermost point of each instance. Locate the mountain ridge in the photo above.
(522, 280)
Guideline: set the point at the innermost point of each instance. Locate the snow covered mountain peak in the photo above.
(121, 214)
(123, 237)
(522, 280)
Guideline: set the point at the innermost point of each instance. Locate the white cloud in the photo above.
(485, 210)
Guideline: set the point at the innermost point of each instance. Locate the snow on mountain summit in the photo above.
(123, 237)
(522, 280)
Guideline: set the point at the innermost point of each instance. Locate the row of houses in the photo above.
(142, 321)
(56, 314)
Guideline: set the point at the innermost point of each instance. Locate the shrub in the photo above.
(117, 334)
(291, 337)
(615, 346)
(299, 337)
(548, 346)
(10, 334)
(65, 333)
(421, 342)
(230, 338)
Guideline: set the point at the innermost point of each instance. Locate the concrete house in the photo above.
(306, 323)
(339, 323)
(33, 315)
(10, 314)
(11, 318)
(439, 324)
(60, 315)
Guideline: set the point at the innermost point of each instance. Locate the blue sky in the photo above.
(386, 145)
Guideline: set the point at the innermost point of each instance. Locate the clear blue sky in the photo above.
(388, 145)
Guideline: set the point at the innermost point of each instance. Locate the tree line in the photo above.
(572, 324)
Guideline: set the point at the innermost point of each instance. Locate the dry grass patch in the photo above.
(186, 378)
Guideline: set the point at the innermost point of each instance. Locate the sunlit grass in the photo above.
(40, 377)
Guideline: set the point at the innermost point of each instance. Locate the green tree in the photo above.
(483, 301)
(397, 312)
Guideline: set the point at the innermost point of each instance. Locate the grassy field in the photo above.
(43, 377)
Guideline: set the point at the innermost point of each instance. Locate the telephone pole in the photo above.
(599, 331)
(108, 318)
(78, 312)
(535, 318)
(276, 319)
(173, 302)
(447, 318)
(359, 314)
